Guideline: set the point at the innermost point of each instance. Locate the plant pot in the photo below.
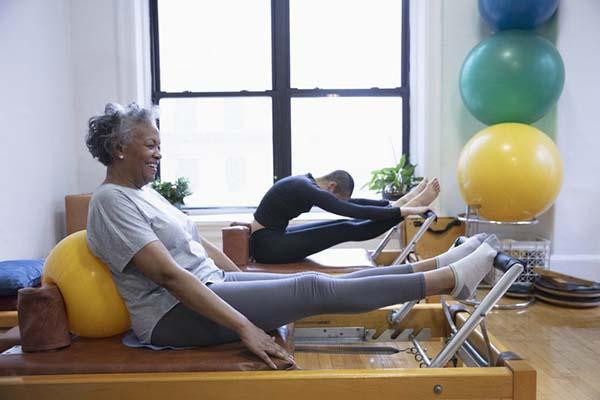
(391, 194)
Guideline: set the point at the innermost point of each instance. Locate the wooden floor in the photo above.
(563, 345)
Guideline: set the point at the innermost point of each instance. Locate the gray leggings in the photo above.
(272, 300)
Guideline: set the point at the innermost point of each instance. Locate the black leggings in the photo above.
(274, 246)
(273, 300)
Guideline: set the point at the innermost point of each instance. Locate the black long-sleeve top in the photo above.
(294, 195)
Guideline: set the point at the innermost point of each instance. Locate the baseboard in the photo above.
(585, 266)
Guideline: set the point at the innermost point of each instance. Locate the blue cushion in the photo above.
(17, 274)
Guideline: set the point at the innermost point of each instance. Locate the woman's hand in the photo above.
(406, 211)
(263, 345)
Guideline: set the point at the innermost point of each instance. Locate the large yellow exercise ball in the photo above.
(94, 307)
(513, 172)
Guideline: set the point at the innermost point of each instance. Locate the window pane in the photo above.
(358, 134)
(208, 45)
(345, 43)
(224, 145)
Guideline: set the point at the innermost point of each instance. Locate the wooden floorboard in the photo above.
(562, 344)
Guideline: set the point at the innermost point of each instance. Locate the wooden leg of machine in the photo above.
(524, 380)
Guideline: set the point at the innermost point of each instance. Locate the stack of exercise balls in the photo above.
(511, 170)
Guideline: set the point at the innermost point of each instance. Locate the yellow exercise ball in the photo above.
(94, 307)
(512, 171)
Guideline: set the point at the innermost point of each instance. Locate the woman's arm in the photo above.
(358, 208)
(155, 262)
(328, 202)
(220, 259)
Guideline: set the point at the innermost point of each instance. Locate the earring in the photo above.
(121, 156)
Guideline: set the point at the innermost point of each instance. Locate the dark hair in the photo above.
(113, 128)
(345, 183)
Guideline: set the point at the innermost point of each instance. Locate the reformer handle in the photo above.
(460, 240)
(502, 261)
(428, 214)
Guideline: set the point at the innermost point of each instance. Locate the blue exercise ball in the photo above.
(517, 14)
(512, 76)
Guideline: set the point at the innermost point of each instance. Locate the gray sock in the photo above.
(469, 271)
(459, 252)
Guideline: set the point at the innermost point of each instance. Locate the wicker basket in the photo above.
(534, 253)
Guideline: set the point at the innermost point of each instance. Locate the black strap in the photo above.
(451, 224)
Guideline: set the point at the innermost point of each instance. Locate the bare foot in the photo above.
(427, 196)
(414, 192)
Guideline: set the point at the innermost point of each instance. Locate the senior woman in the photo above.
(181, 290)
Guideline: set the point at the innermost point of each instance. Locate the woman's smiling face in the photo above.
(142, 155)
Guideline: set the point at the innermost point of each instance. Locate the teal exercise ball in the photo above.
(512, 76)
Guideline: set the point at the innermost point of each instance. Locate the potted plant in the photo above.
(174, 192)
(394, 182)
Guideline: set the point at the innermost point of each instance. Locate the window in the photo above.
(251, 91)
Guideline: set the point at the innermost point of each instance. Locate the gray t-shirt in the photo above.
(121, 221)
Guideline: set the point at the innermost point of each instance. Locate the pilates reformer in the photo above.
(236, 247)
(458, 339)
(470, 365)
(429, 218)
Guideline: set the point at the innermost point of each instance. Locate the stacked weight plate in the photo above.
(562, 290)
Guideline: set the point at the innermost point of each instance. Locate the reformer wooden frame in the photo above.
(8, 319)
(515, 380)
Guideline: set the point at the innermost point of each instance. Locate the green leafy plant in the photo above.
(174, 192)
(394, 181)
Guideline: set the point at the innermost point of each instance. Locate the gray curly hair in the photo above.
(112, 129)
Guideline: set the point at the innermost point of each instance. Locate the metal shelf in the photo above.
(478, 220)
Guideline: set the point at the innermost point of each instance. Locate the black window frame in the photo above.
(281, 93)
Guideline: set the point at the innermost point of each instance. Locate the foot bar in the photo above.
(383, 243)
(430, 218)
(398, 315)
(467, 351)
(513, 268)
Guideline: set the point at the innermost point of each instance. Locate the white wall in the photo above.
(453, 29)
(94, 40)
(577, 219)
(37, 160)
(110, 64)
(62, 60)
